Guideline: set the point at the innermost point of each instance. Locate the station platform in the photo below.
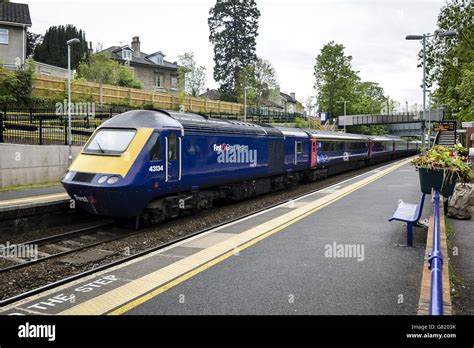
(32, 198)
(330, 252)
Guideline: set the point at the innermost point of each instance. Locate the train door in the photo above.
(173, 164)
(314, 153)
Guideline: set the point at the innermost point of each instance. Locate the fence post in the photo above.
(31, 115)
(65, 132)
(41, 131)
(1, 127)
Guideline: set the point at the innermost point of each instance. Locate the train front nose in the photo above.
(102, 196)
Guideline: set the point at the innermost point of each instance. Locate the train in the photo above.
(155, 164)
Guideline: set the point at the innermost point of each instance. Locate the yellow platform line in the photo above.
(27, 200)
(136, 292)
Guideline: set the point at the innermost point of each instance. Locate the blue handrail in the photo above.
(436, 264)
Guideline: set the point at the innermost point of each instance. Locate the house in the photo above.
(212, 94)
(14, 21)
(50, 70)
(152, 70)
(288, 103)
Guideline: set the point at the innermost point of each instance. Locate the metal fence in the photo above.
(436, 263)
(49, 126)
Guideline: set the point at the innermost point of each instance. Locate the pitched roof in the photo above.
(271, 104)
(212, 94)
(288, 98)
(15, 13)
(142, 59)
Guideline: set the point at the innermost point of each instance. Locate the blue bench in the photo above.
(411, 214)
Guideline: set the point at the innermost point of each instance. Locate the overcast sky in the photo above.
(291, 34)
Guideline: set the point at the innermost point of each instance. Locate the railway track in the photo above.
(61, 245)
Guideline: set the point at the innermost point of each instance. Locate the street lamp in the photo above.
(429, 117)
(69, 135)
(245, 103)
(345, 108)
(423, 38)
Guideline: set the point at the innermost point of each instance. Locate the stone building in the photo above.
(14, 21)
(152, 70)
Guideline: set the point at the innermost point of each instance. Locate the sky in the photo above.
(291, 34)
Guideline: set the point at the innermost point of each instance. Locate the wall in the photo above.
(32, 164)
(50, 70)
(14, 49)
(146, 75)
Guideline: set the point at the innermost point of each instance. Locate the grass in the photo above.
(456, 280)
(32, 186)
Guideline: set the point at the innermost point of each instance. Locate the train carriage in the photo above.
(154, 164)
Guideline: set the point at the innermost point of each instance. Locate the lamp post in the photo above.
(429, 117)
(69, 137)
(345, 108)
(423, 39)
(245, 103)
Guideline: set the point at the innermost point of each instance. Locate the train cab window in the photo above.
(299, 147)
(172, 147)
(155, 148)
(110, 141)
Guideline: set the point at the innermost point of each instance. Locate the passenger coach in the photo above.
(153, 164)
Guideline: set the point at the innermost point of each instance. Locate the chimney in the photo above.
(293, 95)
(136, 46)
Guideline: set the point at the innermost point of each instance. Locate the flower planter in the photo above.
(438, 179)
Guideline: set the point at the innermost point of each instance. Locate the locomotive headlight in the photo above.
(112, 180)
(68, 176)
(102, 179)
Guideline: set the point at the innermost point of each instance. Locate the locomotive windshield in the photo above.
(110, 141)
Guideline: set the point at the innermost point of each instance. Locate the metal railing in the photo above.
(436, 263)
(49, 126)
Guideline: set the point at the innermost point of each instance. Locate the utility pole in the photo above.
(345, 109)
(423, 39)
(69, 134)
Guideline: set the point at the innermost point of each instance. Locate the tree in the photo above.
(16, 87)
(193, 75)
(465, 89)
(260, 79)
(335, 79)
(233, 26)
(102, 69)
(368, 98)
(448, 58)
(32, 40)
(53, 49)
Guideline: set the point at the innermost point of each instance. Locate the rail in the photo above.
(436, 263)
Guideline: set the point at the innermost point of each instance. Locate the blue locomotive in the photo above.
(154, 164)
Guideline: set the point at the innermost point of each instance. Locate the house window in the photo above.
(4, 36)
(158, 60)
(126, 54)
(159, 80)
(174, 81)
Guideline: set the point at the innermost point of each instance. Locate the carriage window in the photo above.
(172, 147)
(155, 148)
(299, 147)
